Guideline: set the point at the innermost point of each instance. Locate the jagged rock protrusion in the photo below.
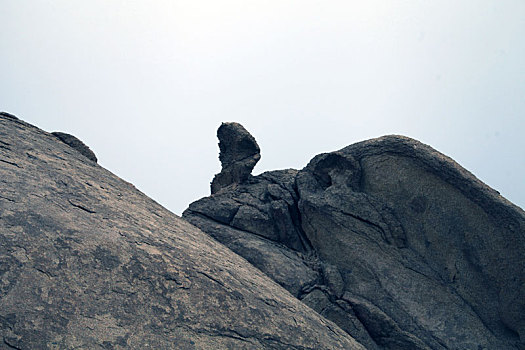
(238, 156)
(75, 143)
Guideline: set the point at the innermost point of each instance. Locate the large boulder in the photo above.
(400, 246)
(89, 262)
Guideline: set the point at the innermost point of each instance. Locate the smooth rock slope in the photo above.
(390, 239)
(89, 262)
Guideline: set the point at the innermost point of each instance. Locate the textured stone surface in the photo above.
(239, 153)
(403, 248)
(89, 262)
(467, 233)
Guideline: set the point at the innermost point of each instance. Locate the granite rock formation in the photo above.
(394, 242)
(239, 153)
(89, 262)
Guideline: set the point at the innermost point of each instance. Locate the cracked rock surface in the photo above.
(89, 262)
(394, 242)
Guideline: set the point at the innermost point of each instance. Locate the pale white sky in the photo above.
(146, 83)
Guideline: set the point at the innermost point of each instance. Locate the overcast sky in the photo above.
(146, 83)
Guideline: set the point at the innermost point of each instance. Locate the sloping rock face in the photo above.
(89, 262)
(388, 238)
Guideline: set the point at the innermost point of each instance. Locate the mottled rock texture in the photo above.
(239, 153)
(388, 238)
(89, 262)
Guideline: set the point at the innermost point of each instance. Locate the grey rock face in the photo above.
(400, 246)
(89, 262)
(75, 143)
(238, 156)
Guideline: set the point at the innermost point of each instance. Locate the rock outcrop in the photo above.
(89, 262)
(384, 244)
(393, 241)
(75, 143)
(239, 153)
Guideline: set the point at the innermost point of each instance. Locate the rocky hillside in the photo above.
(89, 262)
(393, 241)
(385, 244)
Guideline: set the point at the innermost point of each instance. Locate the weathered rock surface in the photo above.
(238, 156)
(388, 238)
(89, 262)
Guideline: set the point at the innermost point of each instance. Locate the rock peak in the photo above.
(239, 153)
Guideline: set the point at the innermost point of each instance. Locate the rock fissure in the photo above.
(212, 278)
(44, 272)
(378, 227)
(10, 345)
(8, 199)
(298, 222)
(10, 163)
(80, 206)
